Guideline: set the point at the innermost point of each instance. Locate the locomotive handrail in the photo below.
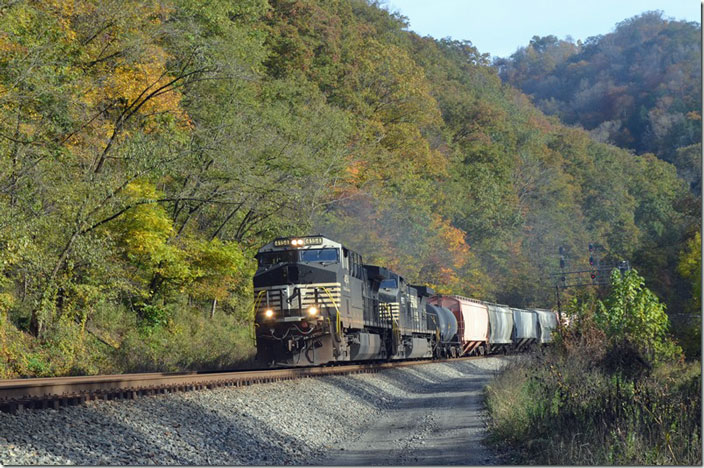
(255, 306)
(337, 320)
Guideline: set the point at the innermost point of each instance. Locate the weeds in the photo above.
(116, 341)
(612, 390)
(560, 410)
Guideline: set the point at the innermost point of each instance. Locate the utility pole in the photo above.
(598, 272)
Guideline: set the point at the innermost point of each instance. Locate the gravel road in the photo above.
(440, 421)
(423, 415)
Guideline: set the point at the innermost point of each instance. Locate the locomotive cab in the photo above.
(296, 278)
(403, 305)
(307, 290)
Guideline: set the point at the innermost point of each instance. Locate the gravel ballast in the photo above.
(306, 421)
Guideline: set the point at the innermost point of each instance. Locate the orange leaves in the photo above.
(694, 115)
(113, 68)
(453, 239)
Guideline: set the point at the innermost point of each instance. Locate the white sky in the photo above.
(499, 27)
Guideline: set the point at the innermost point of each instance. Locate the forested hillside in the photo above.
(638, 87)
(148, 148)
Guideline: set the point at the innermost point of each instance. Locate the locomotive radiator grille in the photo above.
(294, 298)
(389, 310)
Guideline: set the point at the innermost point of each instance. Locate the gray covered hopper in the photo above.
(548, 322)
(500, 324)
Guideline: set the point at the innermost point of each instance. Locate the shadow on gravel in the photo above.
(97, 440)
(363, 391)
(236, 438)
(166, 437)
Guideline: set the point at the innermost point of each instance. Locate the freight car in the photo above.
(486, 328)
(316, 302)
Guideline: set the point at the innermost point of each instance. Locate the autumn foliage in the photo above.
(147, 149)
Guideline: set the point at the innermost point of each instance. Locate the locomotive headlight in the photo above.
(312, 311)
(268, 313)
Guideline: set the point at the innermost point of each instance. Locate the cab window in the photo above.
(320, 255)
(389, 284)
(272, 258)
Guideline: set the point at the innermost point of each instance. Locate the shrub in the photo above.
(632, 314)
(612, 390)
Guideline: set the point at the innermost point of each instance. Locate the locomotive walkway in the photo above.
(443, 423)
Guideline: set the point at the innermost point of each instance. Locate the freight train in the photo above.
(316, 302)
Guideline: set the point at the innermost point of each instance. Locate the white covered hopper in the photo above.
(500, 324)
(548, 322)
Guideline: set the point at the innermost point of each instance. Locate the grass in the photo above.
(115, 341)
(572, 406)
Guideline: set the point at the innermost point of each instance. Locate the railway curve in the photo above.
(41, 393)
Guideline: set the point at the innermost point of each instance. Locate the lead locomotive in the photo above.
(316, 302)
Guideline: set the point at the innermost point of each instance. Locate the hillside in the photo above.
(638, 87)
(149, 149)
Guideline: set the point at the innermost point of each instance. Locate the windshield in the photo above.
(319, 255)
(388, 284)
(272, 258)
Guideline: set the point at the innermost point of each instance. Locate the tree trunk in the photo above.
(212, 308)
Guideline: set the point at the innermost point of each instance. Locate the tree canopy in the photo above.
(148, 148)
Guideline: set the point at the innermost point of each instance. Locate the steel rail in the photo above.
(40, 393)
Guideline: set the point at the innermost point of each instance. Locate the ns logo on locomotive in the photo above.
(316, 302)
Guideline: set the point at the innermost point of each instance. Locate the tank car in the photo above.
(445, 342)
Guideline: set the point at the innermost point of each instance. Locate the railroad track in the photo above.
(41, 393)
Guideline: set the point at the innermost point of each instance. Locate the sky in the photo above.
(499, 27)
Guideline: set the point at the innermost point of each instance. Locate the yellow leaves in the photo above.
(111, 62)
(146, 227)
(131, 82)
(6, 302)
(216, 268)
(206, 269)
(8, 46)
